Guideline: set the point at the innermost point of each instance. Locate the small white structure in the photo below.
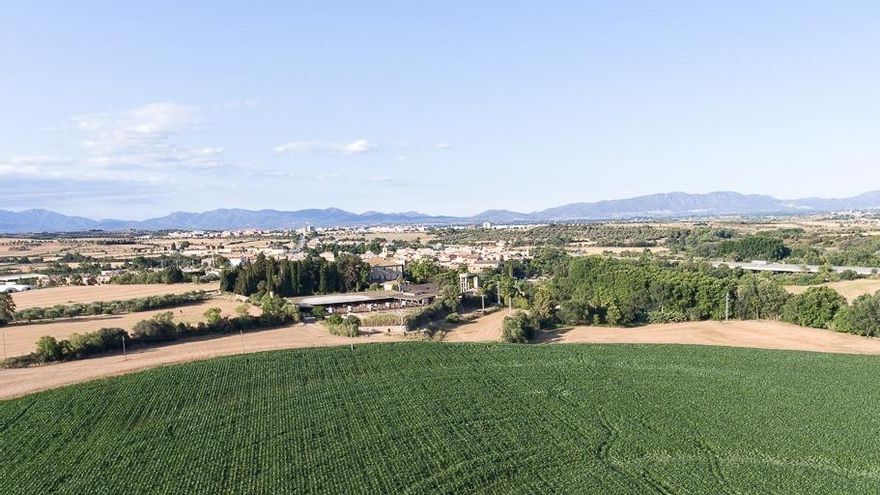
(15, 287)
(468, 282)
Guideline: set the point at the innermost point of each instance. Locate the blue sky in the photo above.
(137, 109)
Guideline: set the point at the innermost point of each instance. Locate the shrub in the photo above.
(49, 348)
(343, 326)
(453, 318)
(381, 319)
(426, 314)
(519, 328)
(319, 312)
(860, 318)
(816, 307)
(666, 316)
(159, 327)
(213, 315)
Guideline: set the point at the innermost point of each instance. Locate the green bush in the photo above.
(664, 316)
(159, 327)
(343, 326)
(49, 348)
(519, 328)
(816, 307)
(860, 318)
(382, 320)
(453, 318)
(426, 314)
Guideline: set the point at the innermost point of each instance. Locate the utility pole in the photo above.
(124, 356)
(727, 306)
(4, 342)
(483, 299)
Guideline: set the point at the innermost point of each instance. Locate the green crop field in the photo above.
(443, 418)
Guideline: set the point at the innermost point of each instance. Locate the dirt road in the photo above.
(485, 329)
(755, 334)
(21, 338)
(18, 382)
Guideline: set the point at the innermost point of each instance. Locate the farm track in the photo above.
(21, 339)
(753, 334)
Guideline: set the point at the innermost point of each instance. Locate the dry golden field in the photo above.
(850, 289)
(21, 381)
(107, 292)
(756, 334)
(21, 338)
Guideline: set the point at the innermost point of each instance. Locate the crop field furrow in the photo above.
(425, 418)
(570, 420)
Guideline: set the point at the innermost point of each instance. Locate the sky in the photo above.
(137, 109)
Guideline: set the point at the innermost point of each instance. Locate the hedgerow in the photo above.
(110, 307)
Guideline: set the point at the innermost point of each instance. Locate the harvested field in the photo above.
(21, 381)
(850, 289)
(106, 292)
(21, 338)
(756, 334)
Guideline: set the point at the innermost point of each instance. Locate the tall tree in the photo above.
(7, 308)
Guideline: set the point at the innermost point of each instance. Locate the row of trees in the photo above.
(824, 307)
(7, 308)
(312, 275)
(598, 290)
(171, 275)
(608, 291)
(159, 328)
(753, 247)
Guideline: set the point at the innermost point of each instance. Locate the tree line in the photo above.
(110, 307)
(596, 290)
(160, 328)
(289, 278)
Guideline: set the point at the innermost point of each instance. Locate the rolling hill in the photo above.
(666, 205)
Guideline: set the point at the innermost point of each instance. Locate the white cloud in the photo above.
(150, 136)
(308, 147)
(37, 166)
(330, 176)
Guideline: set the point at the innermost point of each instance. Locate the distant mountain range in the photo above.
(669, 205)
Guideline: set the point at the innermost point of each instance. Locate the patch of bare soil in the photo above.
(18, 382)
(107, 292)
(850, 289)
(756, 334)
(21, 338)
(484, 329)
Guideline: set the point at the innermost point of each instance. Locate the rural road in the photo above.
(755, 334)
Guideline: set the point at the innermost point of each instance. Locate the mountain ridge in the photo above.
(661, 205)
